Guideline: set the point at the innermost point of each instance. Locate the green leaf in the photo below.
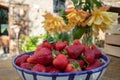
(55, 53)
(34, 39)
(88, 39)
(56, 36)
(64, 52)
(29, 43)
(65, 18)
(82, 57)
(49, 38)
(64, 36)
(75, 1)
(79, 4)
(61, 11)
(76, 65)
(78, 32)
(89, 4)
(88, 36)
(98, 3)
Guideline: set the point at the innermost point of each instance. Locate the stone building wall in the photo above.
(35, 12)
(25, 17)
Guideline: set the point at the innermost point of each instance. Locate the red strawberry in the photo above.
(96, 51)
(53, 45)
(60, 45)
(76, 42)
(39, 47)
(60, 62)
(70, 60)
(90, 56)
(72, 67)
(81, 63)
(39, 68)
(22, 59)
(44, 57)
(26, 66)
(47, 45)
(52, 69)
(96, 64)
(33, 60)
(66, 43)
(74, 50)
(86, 48)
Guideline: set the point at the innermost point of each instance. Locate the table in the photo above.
(7, 72)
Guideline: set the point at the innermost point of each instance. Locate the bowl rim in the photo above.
(106, 58)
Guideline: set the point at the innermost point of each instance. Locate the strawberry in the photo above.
(39, 68)
(39, 47)
(86, 48)
(52, 69)
(33, 60)
(76, 42)
(60, 45)
(74, 50)
(43, 56)
(47, 45)
(96, 64)
(90, 56)
(70, 60)
(66, 43)
(26, 66)
(53, 45)
(22, 59)
(97, 52)
(72, 67)
(60, 62)
(81, 63)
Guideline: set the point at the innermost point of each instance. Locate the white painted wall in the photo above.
(35, 16)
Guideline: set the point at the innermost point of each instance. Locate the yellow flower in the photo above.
(70, 26)
(54, 23)
(101, 19)
(77, 17)
(72, 18)
(82, 17)
(48, 15)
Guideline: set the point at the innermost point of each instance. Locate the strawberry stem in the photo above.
(76, 65)
(84, 58)
(55, 53)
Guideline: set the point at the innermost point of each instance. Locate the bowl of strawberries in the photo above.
(61, 61)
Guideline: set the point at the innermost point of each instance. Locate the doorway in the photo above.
(4, 38)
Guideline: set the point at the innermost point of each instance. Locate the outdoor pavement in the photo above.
(113, 71)
(4, 56)
(7, 72)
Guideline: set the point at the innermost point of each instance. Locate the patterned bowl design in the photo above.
(94, 74)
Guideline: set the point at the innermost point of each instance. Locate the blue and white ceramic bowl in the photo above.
(94, 74)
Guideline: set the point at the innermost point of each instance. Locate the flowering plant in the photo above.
(80, 19)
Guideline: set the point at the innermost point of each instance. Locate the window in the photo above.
(3, 22)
